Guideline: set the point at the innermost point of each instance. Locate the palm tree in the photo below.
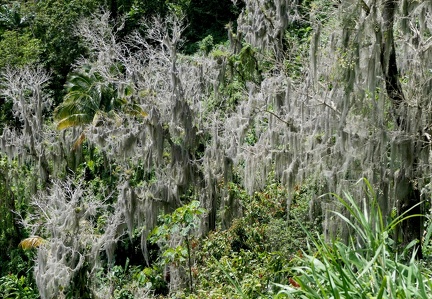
(88, 96)
(81, 102)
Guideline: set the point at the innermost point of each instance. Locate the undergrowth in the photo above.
(257, 251)
(366, 267)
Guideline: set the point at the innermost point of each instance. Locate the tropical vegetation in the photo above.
(215, 149)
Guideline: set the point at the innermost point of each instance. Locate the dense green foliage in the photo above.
(258, 250)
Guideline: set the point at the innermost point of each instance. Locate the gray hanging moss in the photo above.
(361, 108)
(66, 216)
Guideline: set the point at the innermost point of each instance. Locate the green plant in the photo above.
(152, 278)
(123, 282)
(12, 286)
(119, 276)
(180, 224)
(206, 44)
(246, 65)
(366, 266)
(258, 249)
(427, 242)
(233, 280)
(18, 49)
(89, 96)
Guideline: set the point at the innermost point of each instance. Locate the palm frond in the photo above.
(74, 111)
(31, 242)
(87, 95)
(74, 120)
(79, 81)
(79, 141)
(135, 110)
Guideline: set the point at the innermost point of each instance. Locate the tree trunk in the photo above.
(406, 193)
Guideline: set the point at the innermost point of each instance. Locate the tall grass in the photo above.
(366, 266)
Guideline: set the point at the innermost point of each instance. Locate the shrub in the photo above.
(12, 286)
(257, 250)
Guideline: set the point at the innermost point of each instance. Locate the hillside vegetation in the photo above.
(215, 149)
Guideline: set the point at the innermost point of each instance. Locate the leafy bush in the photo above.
(12, 286)
(153, 278)
(258, 250)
